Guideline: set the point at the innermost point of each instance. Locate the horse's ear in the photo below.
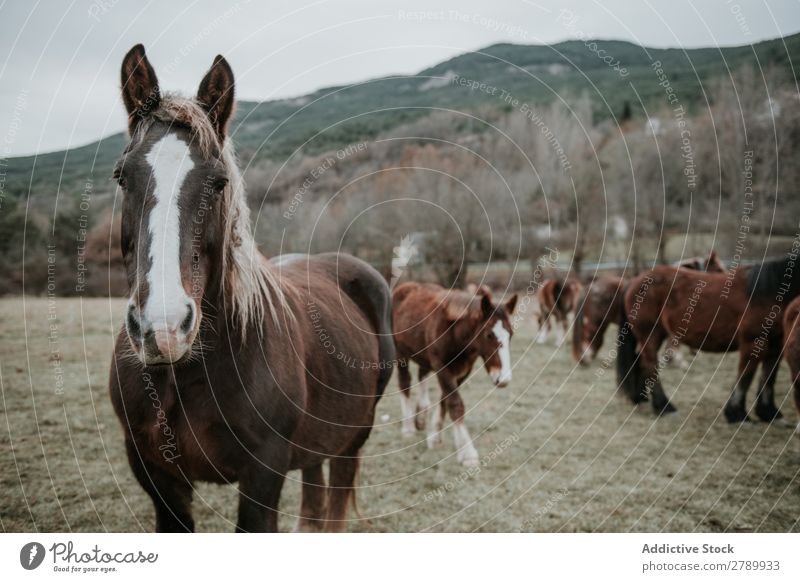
(140, 91)
(487, 308)
(216, 95)
(511, 304)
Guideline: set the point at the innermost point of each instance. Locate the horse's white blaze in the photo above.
(166, 300)
(504, 337)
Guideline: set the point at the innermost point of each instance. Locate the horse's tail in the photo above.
(578, 348)
(628, 367)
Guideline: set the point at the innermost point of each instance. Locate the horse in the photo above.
(712, 312)
(444, 332)
(230, 367)
(557, 298)
(791, 349)
(601, 303)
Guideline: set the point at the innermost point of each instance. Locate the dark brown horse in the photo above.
(229, 367)
(444, 332)
(557, 299)
(600, 305)
(714, 312)
(791, 349)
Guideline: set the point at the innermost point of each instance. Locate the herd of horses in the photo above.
(707, 308)
(234, 368)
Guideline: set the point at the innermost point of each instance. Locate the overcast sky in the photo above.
(59, 63)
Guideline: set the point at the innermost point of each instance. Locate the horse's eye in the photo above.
(120, 179)
(215, 185)
(491, 336)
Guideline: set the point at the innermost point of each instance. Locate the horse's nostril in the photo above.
(188, 322)
(134, 328)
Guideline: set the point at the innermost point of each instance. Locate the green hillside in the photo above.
(333, 117)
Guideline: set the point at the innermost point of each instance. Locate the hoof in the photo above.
(768, 413)
(434, 441)
(409, 433)
(664, 409)
(736, 414)
(469, 458)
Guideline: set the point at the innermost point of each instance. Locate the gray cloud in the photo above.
(59, 73)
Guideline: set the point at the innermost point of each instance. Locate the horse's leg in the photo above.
(342, 487)
(312, 507)
(260, 487)
(423, 399)
(406, 410)
(650, 379)
(544, 326)
(434, 438)
(734, 408)
(765, 406)
(465, 450)
(172, 497)
(466, 453)
(593, 338)
(562, 324)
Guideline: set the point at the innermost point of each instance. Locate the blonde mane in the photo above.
(248, 282)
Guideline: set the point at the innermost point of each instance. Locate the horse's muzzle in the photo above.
(161, 343)
(499, 379)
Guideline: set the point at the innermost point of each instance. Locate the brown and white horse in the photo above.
(229, 367)
(444, 333)
(557, 299)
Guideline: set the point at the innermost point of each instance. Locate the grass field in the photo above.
(560, 450)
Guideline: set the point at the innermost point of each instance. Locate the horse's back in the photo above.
(359, 282)
(413, 311)
(691, 305)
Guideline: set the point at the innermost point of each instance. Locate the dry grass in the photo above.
(570, 455)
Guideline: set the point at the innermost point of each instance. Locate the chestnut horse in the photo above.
(600, 306)
(229, 367)
(791, 349)
(444, 332)
(557, 298)
(713, 312)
